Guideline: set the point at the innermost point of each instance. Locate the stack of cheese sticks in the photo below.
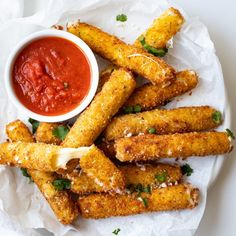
(98, 172)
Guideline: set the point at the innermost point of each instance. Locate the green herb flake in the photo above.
(61, 131)
(161, 178)
(158, 52)
(34, 123)
(216, 117)
(139, 189)
(61, 184)
(121, 17)
(230, 133)
(26, 174)
(128, 109)
(116, 231)
(186, 169)
(137, 108)
(143, 200)
(147, 189)
(152, 131)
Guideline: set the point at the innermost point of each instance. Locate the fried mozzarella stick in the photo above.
(99, 168)
(17, 131)
(44, 133)
(39, 156)
(183, 196)
(179, 120)
(134, 175)
(105, 105)
(162, 29)
(119, 53)
(60, 201)
(50, 158)
(153, 147)
(149, 96)
(106, 179)
(105, 76)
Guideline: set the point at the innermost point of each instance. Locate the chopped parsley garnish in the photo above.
(186, 169)
(116, 231)
(161, 178)
(152, 131)
(128, 109)
(147, 189)
(143, 200)
(139, 188)
(34, 123)
(216, 117)
(230, 133)
(61, 184)
(121, 17)
(137, 108)
(26, 174)
(158, 52)
(132, 109)
(61, 131)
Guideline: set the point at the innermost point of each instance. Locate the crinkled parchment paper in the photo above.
(20, 201)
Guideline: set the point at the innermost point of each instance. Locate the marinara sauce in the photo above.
(51, 76)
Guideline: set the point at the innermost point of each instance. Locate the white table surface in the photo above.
(219, 16)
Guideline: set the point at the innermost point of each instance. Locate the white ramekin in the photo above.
(51, 33)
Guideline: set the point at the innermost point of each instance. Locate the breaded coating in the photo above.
(99, 168)
(44, 133)
(104, 106)
(119, 53)
(18, 131)
(81, 183)
(149, 96)
(145, 174)
(183, 196)
(60, 201)
(153, 147)
(179, 120)
(162, 29)
(105, 76)
(133, 175)
(38, 156)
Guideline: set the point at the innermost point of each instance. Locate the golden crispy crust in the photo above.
(62, 205)
(152, 147)
(145, 175)
(162, 29)
(179, 120)
(18, 131)
(121, 54)
(98, 167)
(37, 156)
(183, 196)
(44, 133)
(105, 105)
(60, 201)
(150, 96)
(105, 76)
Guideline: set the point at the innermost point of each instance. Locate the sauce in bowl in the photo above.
(51, 76)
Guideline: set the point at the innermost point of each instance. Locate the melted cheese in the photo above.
(67, 154)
